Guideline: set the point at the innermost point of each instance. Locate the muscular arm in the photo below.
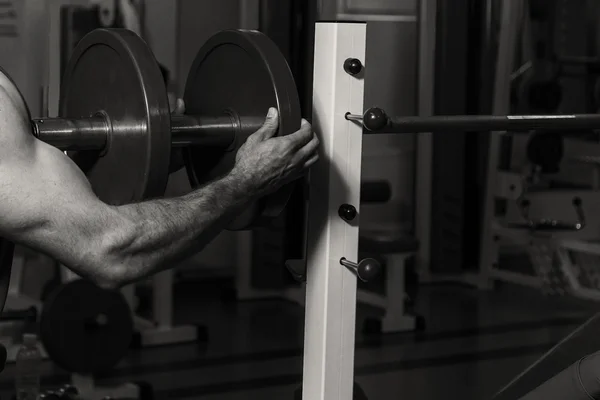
(158, 233)
(46, 203)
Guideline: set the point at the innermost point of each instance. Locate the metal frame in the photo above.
(509, 37)
(330, 313)
(487, 273)
(424, 167)
(498, 182)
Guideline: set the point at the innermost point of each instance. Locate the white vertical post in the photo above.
(335, 180)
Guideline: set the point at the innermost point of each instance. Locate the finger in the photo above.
(269, 127)
(311, 161)
(180, 107)
(309, 150)
(301, 137)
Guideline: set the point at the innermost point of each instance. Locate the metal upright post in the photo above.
(334, 181)
(423, 185)
(509, 36)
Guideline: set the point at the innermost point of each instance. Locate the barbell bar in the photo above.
(92, 133)
(219, 132)
(376, 120)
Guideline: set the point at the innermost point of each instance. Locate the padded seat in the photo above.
(387, 242)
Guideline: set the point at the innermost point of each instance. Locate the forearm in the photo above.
(157, 234)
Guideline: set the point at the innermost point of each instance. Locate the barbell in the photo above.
(115, 122)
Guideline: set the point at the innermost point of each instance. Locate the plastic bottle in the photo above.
(28, 365)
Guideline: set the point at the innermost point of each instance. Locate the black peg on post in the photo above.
(374, 119)
(347, 212)
(366, 270)
(353, 66)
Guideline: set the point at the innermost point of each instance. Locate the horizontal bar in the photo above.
(376, 120)
(467, 123)
(190, 130)
(73, 134)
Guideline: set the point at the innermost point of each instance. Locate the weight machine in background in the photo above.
(539, 223)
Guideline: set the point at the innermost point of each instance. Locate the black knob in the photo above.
(368, 269)
(375, 119)
(353, 66)
(347, 212)
(365, 270)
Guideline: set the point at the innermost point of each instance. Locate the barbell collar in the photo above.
(92, 133)
(73, 134)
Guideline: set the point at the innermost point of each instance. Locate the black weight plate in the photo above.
(245, 73)
(86, 329)
(113, 71)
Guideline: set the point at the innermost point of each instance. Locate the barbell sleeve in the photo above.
(73, 134)
(376, 120)
(92, 133)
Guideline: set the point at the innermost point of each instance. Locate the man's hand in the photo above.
(266, 162)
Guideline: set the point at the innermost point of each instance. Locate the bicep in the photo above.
(46, 202)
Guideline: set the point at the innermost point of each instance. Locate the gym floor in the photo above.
(474, 343)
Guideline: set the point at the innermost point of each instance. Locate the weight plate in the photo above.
(242, 73)
(86, 329)
(113, 71)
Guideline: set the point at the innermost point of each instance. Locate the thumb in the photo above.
(269, 127)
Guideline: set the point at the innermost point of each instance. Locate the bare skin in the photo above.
(46, 202)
